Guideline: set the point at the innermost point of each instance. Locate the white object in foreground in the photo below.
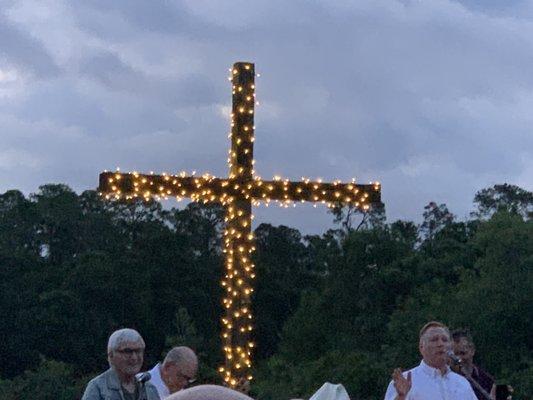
(329, 391)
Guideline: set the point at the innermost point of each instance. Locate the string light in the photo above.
(238, 193)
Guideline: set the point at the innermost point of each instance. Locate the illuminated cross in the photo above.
(238, 193)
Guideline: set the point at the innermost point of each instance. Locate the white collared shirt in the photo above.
(157, 381)
(430, 384)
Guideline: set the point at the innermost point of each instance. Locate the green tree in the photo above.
(504, 197)
(347, 215)
(50, 380)
(186, 334)
(283, 273)
(343, 306)
(494, 300)
(59, 222)
(350, 309)
(18, 225)
(19, 286)
(356, 371)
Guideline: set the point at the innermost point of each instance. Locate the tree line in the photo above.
(344, 306)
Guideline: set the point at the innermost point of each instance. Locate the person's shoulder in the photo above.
(98, 378)
(104, 380)
(94, 388)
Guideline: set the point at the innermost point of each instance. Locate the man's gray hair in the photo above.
(179, 355)
(121, 336)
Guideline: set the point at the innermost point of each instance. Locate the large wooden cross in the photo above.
(238, 193)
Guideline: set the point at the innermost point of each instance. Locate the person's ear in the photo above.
(164, 369)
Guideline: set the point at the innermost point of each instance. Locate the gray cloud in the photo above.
(431, 98)
(18, 48)
(515, 8)
(109, 70)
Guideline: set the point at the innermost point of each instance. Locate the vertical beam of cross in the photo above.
(238, 239)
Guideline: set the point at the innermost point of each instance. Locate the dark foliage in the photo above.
(345, 306)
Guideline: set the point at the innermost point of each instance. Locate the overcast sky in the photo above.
(432, 98)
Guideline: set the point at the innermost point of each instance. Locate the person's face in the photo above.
(434, 346)
(179, 376)
(128, 358)
(464, 350)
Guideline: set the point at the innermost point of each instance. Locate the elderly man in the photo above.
(464, 348)
(125, 351)
(432, 379)
(177, 371)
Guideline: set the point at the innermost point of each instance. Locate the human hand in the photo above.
(401, 384)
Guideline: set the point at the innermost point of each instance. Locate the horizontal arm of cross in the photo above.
(129, 185)
(210, 189)
(314, 191)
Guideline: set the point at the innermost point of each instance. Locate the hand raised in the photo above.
(401, 384)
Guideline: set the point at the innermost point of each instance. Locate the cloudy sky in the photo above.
(432, 98)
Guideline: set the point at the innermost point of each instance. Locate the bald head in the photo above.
(211, 392)
(179, 368)
(181, 355)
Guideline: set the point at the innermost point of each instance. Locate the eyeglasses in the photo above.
(190, 380)
(129, 351)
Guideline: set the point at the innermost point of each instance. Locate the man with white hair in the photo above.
(432, 379)
(176, 372)
(125, 353)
